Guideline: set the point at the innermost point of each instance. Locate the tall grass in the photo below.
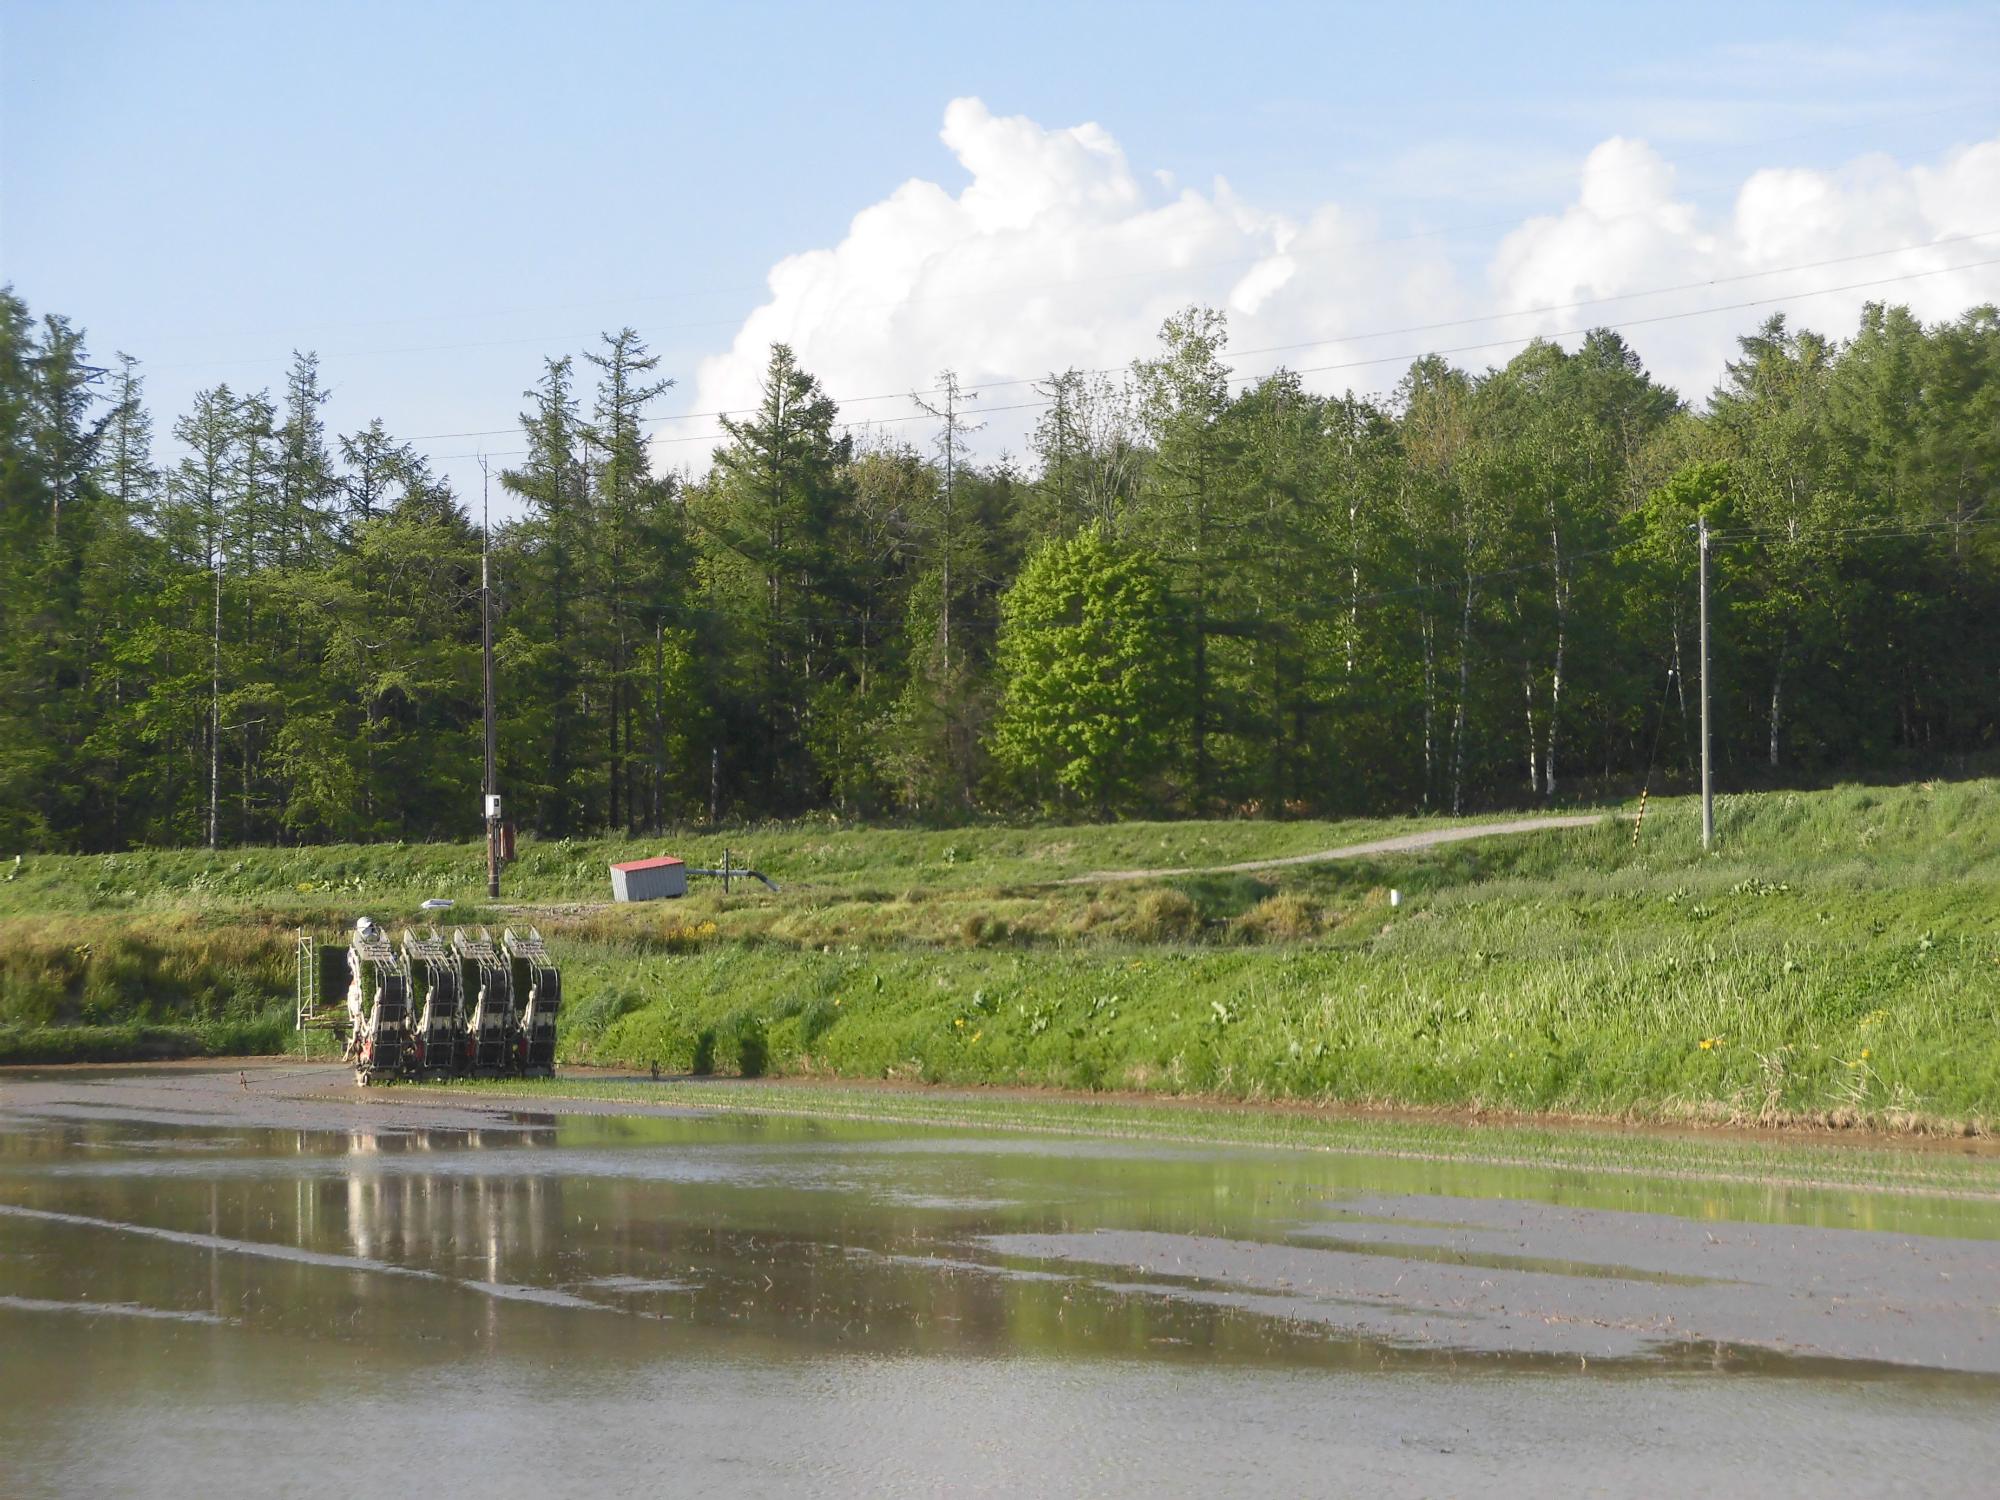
(822, 855)
(176, 968)
(1687, 1028)
(1835, 958)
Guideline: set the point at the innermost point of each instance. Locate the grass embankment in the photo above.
(156, 985)
(180, 952)
(1836, 960)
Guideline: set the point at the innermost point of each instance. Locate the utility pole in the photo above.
(492, 799)
(948, 444)
(1707, 784)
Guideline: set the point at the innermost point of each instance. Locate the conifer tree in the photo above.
(1185, 513)
(638, 560)
(542, 635)
(772, 514)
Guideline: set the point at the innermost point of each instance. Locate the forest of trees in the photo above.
(1193, 596)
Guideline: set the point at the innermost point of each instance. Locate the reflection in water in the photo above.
(470, 1213)
(763, 1305)
(108, 1309)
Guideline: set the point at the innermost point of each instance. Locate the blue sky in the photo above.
(435, 196)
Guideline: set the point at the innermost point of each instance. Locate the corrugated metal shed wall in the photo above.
(648, 880)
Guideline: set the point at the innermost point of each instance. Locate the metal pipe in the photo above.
(731, 872)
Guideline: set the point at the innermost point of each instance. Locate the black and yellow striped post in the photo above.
(1639, 821)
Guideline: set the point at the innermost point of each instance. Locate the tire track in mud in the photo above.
(504, 1291)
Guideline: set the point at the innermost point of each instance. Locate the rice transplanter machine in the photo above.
(430, 1008)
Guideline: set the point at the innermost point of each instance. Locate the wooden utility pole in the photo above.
(215, 698)
(492, 796)
(1707, 784)
(948, 444)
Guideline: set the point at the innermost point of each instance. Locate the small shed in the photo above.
(648, 879)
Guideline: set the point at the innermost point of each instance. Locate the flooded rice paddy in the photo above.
(266, 1285)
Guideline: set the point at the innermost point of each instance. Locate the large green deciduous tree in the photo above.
(1092, 682)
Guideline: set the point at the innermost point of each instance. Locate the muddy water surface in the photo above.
(218, 1284)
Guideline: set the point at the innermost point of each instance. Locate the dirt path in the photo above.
(1401, 844)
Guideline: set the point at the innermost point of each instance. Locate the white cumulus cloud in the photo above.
(1056, 253)
(1805, 242)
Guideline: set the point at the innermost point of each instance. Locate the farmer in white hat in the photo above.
(364, 930)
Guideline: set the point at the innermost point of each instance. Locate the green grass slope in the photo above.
(1835, 960)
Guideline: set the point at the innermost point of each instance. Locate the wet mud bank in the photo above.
(1509, 1277)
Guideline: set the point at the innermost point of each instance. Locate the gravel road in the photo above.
(1401, 844)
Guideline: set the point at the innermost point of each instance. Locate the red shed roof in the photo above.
(647, 864)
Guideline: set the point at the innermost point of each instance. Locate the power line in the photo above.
(1905, 531)
(1698, 312)
(1399, 358)
(1565, 175)
(1344, 338)
(1686, 286)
